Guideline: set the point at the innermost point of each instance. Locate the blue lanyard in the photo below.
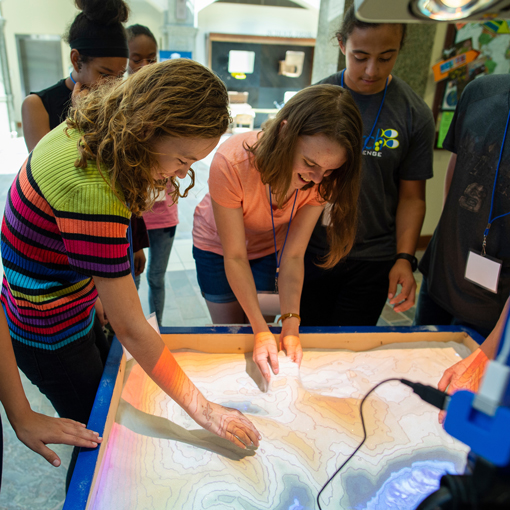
(71, 76)
(491, 219)
(378, 113)
(274, 237)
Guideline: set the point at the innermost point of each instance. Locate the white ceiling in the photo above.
(162, 5)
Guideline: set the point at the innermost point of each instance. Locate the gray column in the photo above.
(179, 31)
(325, 58)
(413, 62)
(6, 98)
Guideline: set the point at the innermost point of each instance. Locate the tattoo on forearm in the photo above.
(207, 412)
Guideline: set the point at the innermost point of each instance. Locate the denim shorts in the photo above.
(213, 280)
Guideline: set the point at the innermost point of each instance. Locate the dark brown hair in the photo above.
(320, 109)
(134, 31)
(350, 22)
(120, 122)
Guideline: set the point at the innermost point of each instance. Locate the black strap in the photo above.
(411, 258)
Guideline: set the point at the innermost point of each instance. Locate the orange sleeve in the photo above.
(224, 183)
(314, 198)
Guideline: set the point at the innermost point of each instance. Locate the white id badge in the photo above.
(161, 196)
(483, 271)
(326, 215)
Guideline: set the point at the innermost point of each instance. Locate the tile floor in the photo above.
(29, 482)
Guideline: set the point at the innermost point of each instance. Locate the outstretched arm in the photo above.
(33, 429)
(409, 220)
(122, 305)
(467, 373)
(230, 225)
(292, 274)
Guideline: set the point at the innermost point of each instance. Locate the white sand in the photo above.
(158, 458)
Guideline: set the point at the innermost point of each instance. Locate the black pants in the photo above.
(68, 376)
(352, 293)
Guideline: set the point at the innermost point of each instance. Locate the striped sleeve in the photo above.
(93, 223)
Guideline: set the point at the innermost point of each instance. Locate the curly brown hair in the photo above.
(120, 122)
(319, 109)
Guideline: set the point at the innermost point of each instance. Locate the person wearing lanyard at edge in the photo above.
(266, 191)
(162, 219)
(397, 159)
(64, 235)
(473, 230)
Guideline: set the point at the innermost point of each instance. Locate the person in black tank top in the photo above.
(56, 100)
(99, 50)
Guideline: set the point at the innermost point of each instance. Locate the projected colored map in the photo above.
(158, 458)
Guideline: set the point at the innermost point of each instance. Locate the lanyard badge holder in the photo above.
(278, 260)
(270, 301)
(481, 269)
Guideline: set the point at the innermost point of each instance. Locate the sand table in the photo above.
(158, 458)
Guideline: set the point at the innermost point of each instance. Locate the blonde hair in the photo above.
(319, 109)
(119, 123)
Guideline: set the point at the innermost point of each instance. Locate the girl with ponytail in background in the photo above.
(99, 51)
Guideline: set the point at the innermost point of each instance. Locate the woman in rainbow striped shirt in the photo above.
(64, 235)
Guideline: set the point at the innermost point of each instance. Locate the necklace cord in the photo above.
(274, 230)
(378, 113)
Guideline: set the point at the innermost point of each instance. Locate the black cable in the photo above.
(362, 442)
(431, 395)
(427, 393)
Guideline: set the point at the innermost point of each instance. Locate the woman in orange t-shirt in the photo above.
(266, 193)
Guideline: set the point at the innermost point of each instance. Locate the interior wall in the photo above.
(145, 14)
(435, 186)
(30, 17)
(247, 19)
(52, 18)
(44, 17)
(325, 61)
(413, 61)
